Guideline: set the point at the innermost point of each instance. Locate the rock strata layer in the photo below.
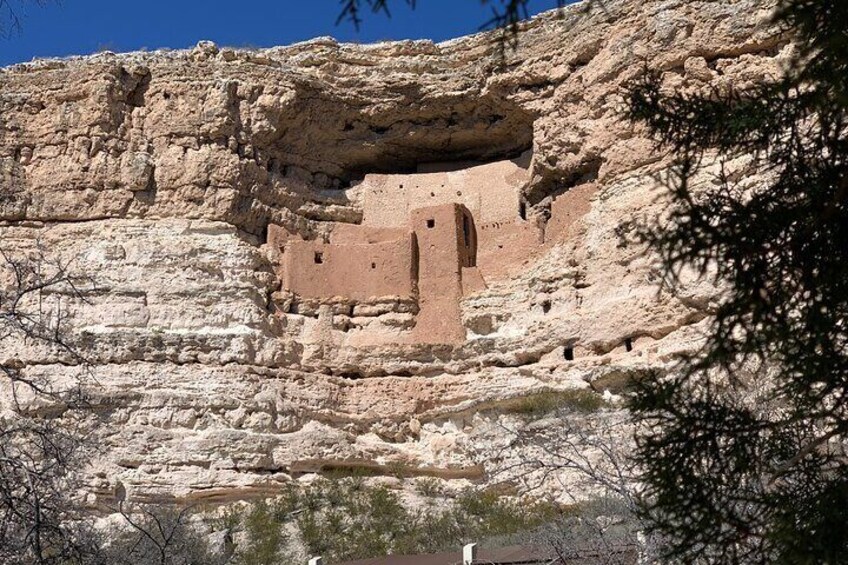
(179, 181)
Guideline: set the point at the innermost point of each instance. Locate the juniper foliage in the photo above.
(744, 448)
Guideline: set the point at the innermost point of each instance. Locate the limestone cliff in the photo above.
(198, 188)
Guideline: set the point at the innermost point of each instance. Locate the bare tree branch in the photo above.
(40, 518)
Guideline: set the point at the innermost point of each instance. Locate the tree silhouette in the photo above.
(744, 448)
(506, 15)
(11, 14)
(41, 442)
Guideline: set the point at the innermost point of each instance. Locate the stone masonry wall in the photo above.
(491, 192)
(442, 253)
(359, 271)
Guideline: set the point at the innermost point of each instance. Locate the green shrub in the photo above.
(265, 540)
(545, 402)
(347, 519)
(373, 521)
(429, 487)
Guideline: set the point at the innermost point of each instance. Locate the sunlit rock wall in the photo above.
(164, 176)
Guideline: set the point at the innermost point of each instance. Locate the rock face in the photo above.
(268, 298)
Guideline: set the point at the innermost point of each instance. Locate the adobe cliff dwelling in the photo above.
(329, 256)
(427, 240)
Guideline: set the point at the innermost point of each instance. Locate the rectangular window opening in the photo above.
(373, 265)
(319, 258)
(628, 344)
(431, 224)
(568, 353)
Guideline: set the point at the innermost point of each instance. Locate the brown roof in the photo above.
(516, 555)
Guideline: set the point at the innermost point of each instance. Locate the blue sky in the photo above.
(76, 27)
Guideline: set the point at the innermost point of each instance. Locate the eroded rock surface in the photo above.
(182, 183)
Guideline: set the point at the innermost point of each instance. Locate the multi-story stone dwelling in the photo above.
(431, 237)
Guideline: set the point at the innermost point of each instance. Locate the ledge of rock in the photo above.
(329, 256)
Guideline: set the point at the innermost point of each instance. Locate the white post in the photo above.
(316, 561)
(469, 554)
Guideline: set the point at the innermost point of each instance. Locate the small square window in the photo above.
(431, 224)
(568, 353)
(319, 257)
(373, 265)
